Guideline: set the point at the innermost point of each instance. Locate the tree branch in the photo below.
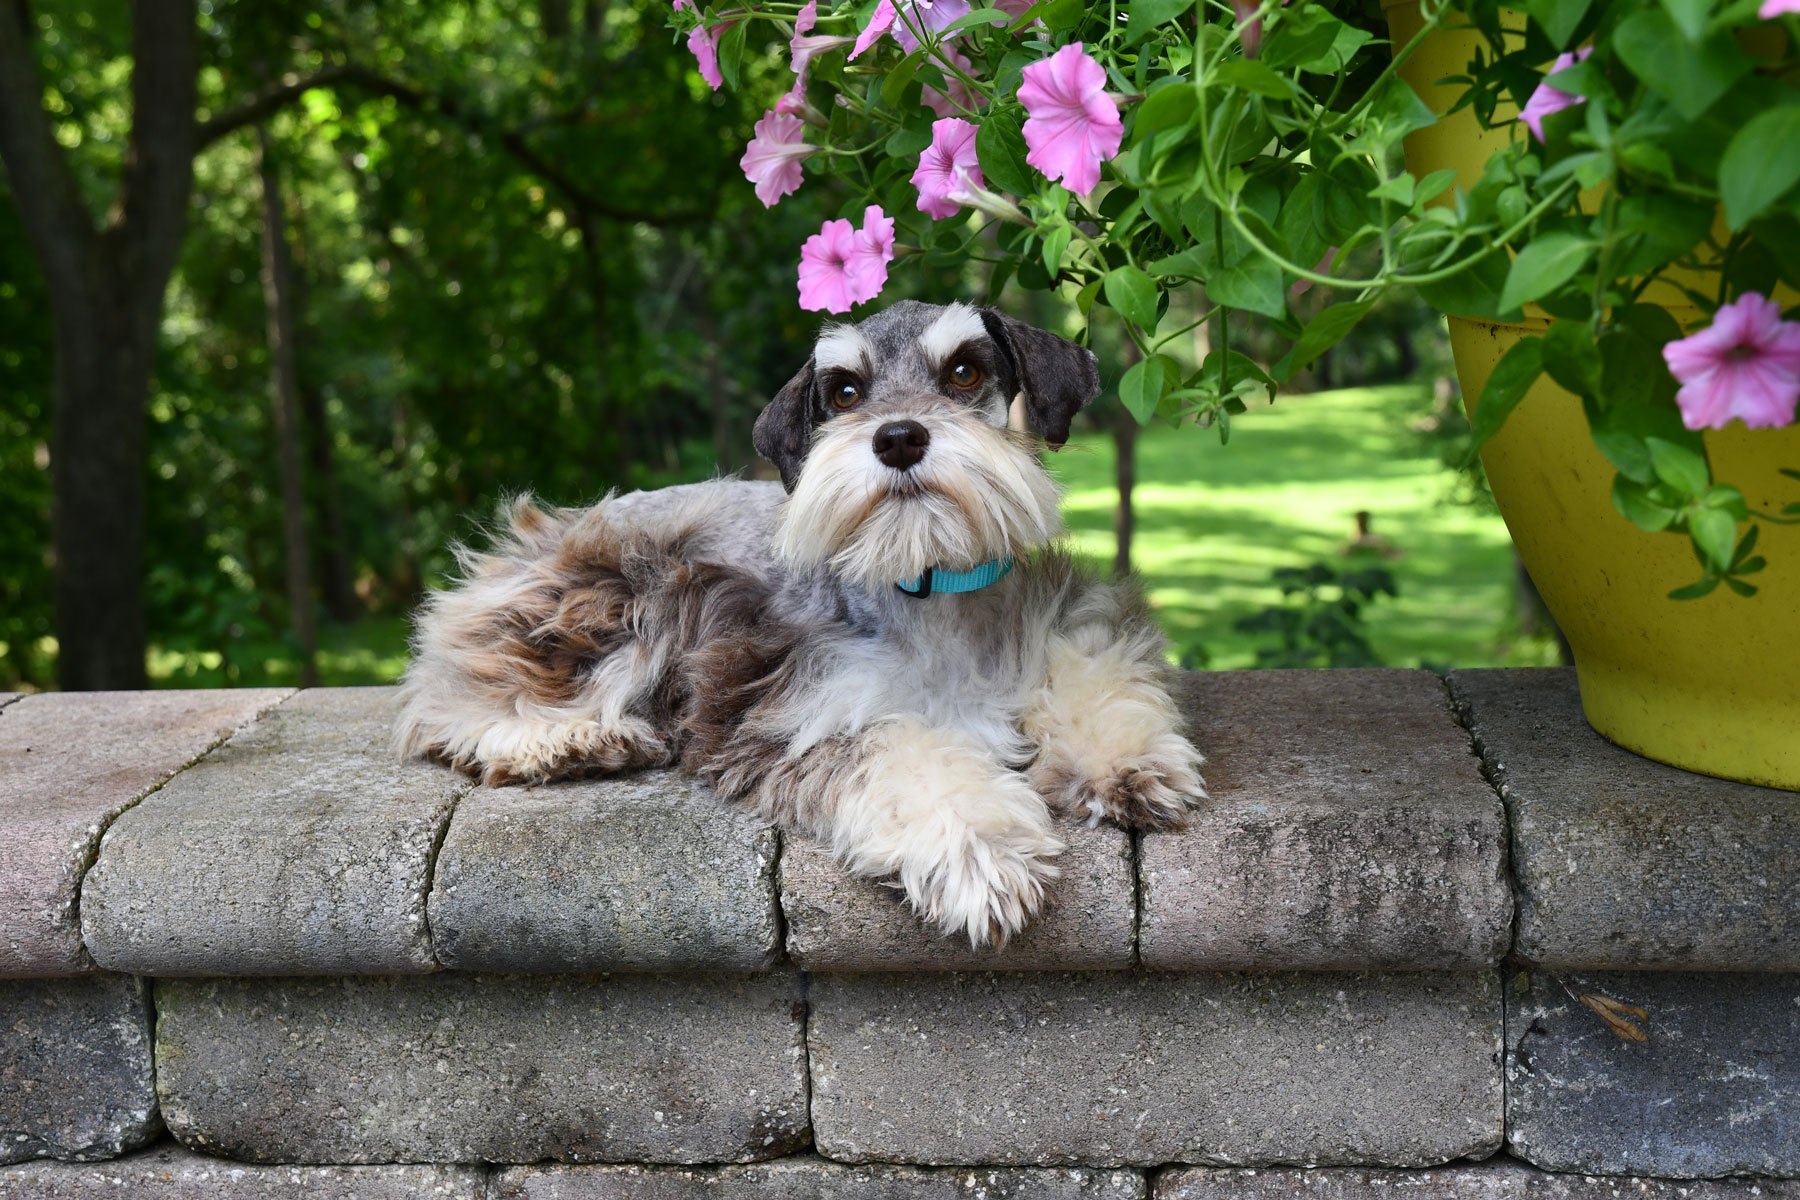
(43, 185)
(265, 104)
(450, 108)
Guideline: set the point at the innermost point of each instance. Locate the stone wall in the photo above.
(1428, 940)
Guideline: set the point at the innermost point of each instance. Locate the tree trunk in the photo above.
(337, 582)
(106, 296)
(1125, 432)
(277, 275)
(97, 494)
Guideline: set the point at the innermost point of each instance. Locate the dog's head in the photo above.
(893, 441)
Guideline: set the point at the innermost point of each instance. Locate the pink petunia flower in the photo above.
(804, 46)
(1745, 365)
(958, 96)
(1774, 8)
(703, 43)
(930, 15)
(841, 266)
(903, 18)
(952, 149)
(880, 21)
(1546, 100)
(1073, 125)
(772, 159)
(970, 191)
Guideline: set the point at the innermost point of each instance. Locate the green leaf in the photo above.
(1146, 15)
(1170, 107)
(1321, 333)
(1056, 14)
(894, 84)
(731, 53)
(1253, 76)
(1474, 292)
(1513, 376)
(1689, 17)
(1543, 266)
(1141, 389)
(1253, 284)
(1191, 262)
(1558, 18)
(1633, 501)
(908, 142)
(1056, 242)
(1715, 533)
(1133, 294)
(1000, 148)
(1761, 164)
(1695, 590)
(1689, 77)
(1571, 358)
(981, 16)
(1433, 185)
(1398, 110)
(1679, 467)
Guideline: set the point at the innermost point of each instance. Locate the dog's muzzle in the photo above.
(901, 444)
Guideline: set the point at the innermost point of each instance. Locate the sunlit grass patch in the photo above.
(1213, 521)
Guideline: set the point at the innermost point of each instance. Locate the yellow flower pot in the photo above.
(1711, 685)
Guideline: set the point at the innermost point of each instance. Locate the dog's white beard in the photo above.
(979, 494)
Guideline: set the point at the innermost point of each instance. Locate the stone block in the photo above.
(646, 872)
(1677, 1075)
(839, 922)
(1349, 827)
(70, 762)
(475, 1068)
(76, 1079)
(172, 1173)
(1135, 1068)
(1627, 864)
(809, 1178)
(7, 698)
(1496, 1179)
(302, 847)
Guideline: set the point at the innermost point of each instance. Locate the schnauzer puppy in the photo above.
(882, 651)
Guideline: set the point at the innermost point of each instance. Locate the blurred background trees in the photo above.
(292, 293)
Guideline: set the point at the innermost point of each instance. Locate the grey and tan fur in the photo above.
(754, 632)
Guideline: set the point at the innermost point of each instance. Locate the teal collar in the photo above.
(937, 581)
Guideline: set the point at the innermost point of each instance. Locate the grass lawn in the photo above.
(1213, 521)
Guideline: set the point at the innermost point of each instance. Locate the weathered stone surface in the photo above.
(1139, 1068)
(75, 1069)
(1623, 863)
(644, 872)
(70, 762)
(809, 1178)
(302, 847)
(839, 922)
(171, 1173)
(1496, 1179)
(471, 1068)
(1349, 827)
(7, 698)
(1712, 1089)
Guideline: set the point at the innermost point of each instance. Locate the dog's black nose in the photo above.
(901, 444)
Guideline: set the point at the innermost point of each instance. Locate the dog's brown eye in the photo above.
(847, 396)
(965, 376)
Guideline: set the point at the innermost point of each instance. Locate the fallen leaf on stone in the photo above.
(1614, 1012)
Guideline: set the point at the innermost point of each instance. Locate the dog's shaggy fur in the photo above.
(758, 637)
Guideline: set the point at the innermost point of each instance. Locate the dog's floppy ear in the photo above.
(783, 431)
(1058, 377)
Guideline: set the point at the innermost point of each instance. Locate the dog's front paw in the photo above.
(1154, 790)
(515, 752)
(984, 888)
